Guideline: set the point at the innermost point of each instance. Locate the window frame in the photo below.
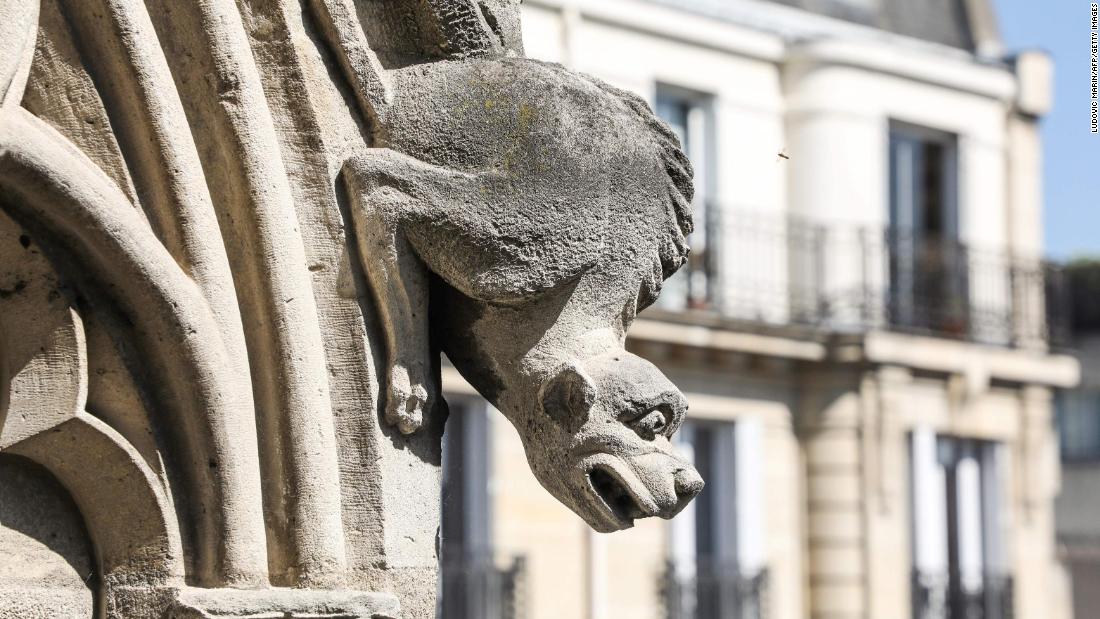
(700, 278)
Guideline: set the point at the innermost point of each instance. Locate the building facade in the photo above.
(1079, 428)
(862, 332)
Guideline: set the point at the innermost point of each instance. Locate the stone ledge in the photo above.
(194, 603)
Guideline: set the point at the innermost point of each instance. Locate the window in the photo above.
(960, 568)
(688, 114)
(1079, 425)
(471, 585)
(717, 565)
(928, 264)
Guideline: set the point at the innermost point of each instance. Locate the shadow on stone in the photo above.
(48, 568)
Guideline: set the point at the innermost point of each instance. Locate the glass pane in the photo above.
(674, 111)
(1079, 421)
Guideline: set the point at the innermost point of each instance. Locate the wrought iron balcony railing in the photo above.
(786, 270)
(475, 588)
(948, 595)
(713, 592)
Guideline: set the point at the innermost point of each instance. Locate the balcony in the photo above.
(949, 596)
(784, 270)
(713, 592)
(476, 588)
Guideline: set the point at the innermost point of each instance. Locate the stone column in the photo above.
(830, 433)
(1040, 581)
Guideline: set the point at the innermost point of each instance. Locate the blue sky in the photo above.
(1072, 169)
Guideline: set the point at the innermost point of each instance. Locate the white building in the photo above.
(861, 333)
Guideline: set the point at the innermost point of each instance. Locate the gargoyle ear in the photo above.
(567, 397)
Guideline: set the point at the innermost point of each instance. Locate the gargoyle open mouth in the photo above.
(621, 504)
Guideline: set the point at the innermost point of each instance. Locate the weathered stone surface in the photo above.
(235, 238)
(47, 554)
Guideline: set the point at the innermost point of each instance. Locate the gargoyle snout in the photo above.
(671, 482)
(688, 485)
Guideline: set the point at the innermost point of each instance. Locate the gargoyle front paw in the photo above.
(410, 399)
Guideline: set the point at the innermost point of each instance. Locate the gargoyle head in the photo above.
(599, 441)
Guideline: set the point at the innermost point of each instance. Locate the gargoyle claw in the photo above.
(410, 403)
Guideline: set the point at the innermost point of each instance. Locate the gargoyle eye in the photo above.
(651, 424)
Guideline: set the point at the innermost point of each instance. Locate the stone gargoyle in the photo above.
(517, 215)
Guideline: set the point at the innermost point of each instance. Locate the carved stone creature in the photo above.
(550, 207)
